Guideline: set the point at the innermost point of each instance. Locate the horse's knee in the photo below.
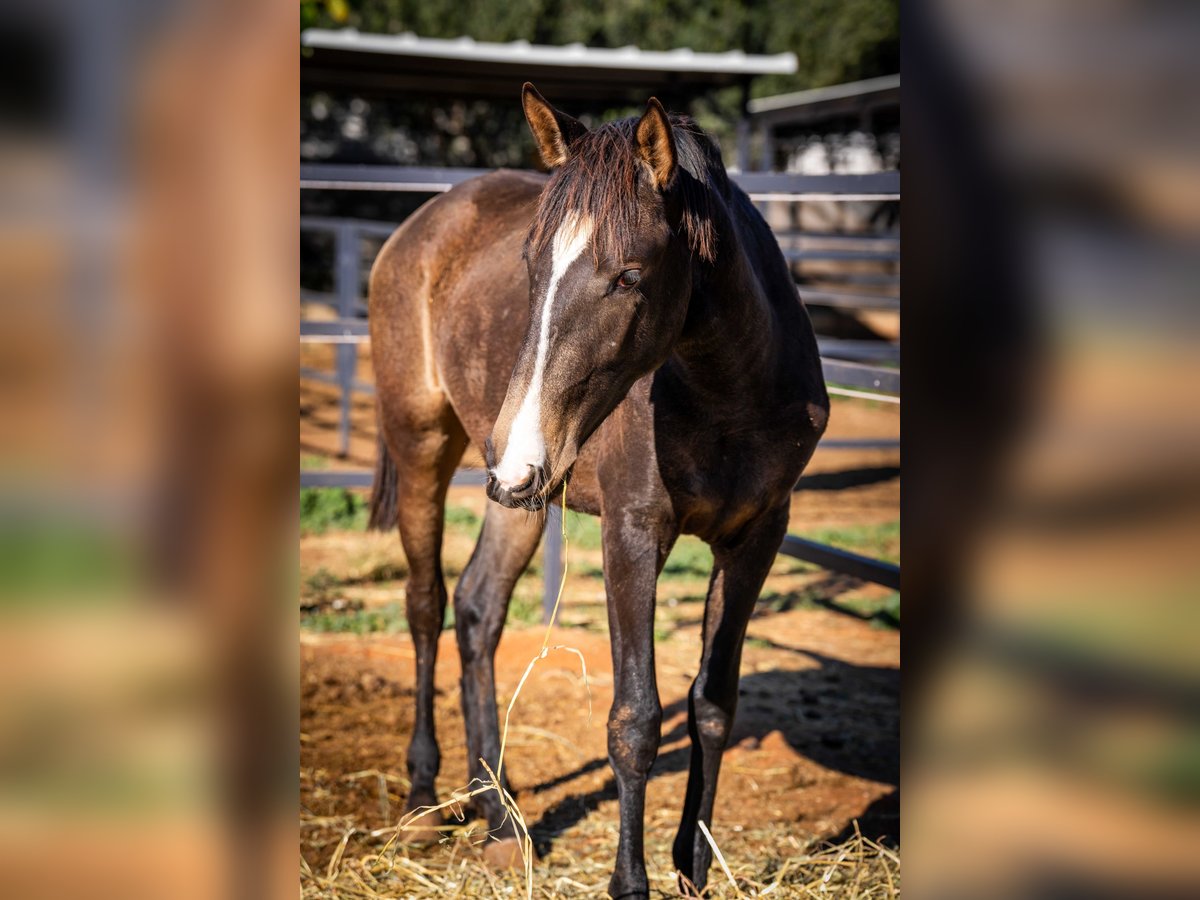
(478, 621)
(425, 603)
(713, 722)
(634, 732)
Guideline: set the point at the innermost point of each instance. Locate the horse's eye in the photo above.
(629, 278)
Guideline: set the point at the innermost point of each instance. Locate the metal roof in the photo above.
(405, 62)
(851, 90)
(525, 53)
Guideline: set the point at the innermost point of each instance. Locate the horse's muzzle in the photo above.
(526, 495)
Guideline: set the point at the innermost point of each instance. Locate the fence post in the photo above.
(346, 283)
(552, 560)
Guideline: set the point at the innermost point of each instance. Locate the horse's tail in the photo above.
(384, 491)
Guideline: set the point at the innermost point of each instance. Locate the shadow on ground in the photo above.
(843, 717)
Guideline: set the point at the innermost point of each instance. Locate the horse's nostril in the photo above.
(510, 494)
(531, 476)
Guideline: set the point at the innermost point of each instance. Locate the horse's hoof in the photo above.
(423, 830)
(503, 854)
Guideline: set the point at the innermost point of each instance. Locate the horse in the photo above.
(627, 326)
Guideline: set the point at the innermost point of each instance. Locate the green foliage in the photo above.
(525, 608)
(877, 540)
(583, 531)
(459, 518)
(321, 582)
(884, 612)
(312, 461)
(380, 620)
(834, 41)
(324, 508)
(690, 557)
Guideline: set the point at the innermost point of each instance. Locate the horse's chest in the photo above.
(719, 480)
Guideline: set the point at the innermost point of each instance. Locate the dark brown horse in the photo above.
(629, 325)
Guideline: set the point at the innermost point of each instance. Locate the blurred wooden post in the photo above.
(552, 560)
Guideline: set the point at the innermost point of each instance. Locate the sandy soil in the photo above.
(815, 744)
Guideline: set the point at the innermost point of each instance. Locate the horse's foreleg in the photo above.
(425, 458)
(505, 546)
(738, 574)
(633, 556)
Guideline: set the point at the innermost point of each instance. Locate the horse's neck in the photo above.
(731, 347)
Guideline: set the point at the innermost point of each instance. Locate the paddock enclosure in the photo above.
(810, 784)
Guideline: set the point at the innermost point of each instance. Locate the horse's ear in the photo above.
(656, 143)
(554, 132)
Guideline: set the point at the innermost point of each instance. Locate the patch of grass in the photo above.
(525, 608)
(775, 602)
(878, 540)
(383, 572)
(380, 620)
(587, 570)
(312, 461)
(883, 612)
(322, 509)
(459, 518)
(321, 582)
(583, 531)
(690, 556)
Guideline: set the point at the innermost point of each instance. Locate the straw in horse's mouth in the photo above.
(547, 489)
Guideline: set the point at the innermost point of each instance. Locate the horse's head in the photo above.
(610, 275)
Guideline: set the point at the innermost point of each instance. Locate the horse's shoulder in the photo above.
(502, 186)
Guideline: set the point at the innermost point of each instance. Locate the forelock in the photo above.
(601, 182)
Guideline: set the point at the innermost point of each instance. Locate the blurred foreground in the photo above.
(1052, 469)
(148, 483)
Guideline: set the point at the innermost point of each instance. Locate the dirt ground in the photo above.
(816, 739)
(815, 743)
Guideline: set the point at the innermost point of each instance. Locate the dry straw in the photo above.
(493, 783)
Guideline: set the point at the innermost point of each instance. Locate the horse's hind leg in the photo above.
(425, 451)
(506, 544)
(739, 571)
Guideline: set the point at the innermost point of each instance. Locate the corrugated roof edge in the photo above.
(818, 95)
(522, 52)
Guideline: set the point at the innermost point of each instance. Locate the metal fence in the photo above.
(862, 369)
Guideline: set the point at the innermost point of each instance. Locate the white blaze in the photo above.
(525, 446)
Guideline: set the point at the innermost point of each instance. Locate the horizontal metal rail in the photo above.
(370, 227)
(858, 351)
(873, 570)
(838, 254)
(852, 238)
(856, 375)
(759, 185)
(365, 478)
(336, 328)
(839, 300)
